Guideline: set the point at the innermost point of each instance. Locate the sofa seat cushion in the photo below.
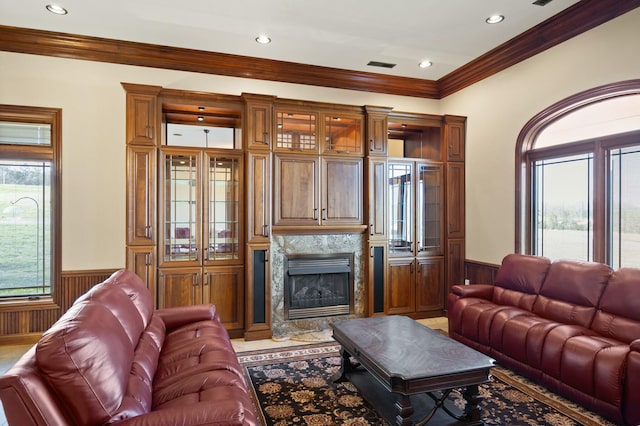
(197, 364)
(595, 366)
(523, 338)
(554, 344)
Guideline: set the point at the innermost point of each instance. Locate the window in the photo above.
(578, 178)
(29, 201)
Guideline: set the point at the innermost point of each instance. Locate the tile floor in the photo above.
(9, 354)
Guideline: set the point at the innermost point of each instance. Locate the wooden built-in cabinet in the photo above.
(200, 220)
(318, 171)
(142, 134)
(415, 182)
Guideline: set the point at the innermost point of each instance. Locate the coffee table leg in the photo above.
(405, 410)
(472, 410)
(345, 367)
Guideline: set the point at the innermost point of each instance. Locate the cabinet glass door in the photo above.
(180, 207)
(343, 135)
(296, 131)
(400, 209)
(223, 210)
(429, 208)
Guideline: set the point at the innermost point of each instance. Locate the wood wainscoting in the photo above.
(480, 272)
(25, 322)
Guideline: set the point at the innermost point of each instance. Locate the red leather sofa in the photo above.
(113, 359)
(573, 327)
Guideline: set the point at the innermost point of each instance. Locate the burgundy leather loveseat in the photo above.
(113, 359)
(573, 327)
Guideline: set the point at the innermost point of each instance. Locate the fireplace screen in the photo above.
(318, 285)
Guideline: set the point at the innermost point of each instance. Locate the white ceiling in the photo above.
(332, 33)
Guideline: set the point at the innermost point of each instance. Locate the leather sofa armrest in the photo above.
(182, 315)
(481, 291)
(635, 345)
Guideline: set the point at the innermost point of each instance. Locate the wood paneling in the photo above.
(575, 20)
(480, 272)
(28, 321)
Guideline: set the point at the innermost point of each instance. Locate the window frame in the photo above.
(52, 152)
(526, 154)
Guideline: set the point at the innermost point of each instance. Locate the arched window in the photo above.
(578, 178)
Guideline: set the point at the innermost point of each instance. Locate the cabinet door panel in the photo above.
(377, 130)
(295, 190)
(455, 263)
(179, 287)
(259, 197)
(377, 198)
(342, 191)
(455, 137)
(429, 209)
(455, 200)
(400, 286)
(259, 119)
(224, 287)
(430, 285)
(141, 189)
(141, 115)
(140, 260)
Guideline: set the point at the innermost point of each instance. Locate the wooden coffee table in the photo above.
(403, 359)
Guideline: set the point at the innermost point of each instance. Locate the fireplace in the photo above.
(318, 285)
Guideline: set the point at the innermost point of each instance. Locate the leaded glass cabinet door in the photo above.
(429, 208)
(222, 208)
(180, 215)
(401, 208)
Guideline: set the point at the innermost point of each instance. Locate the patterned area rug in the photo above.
(293, 386)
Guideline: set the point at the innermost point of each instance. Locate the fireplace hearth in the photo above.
(318, 285)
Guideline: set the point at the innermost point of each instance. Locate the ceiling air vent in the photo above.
(541, 2)
(381, 64)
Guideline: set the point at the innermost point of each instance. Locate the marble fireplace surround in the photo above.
(282, 245)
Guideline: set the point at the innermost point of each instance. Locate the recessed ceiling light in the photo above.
(425, 64)
(494, 19)
(200, 118)
(58, 10)
(263, 39)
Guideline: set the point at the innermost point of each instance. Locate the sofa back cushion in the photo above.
(618, 314)
(571, 291)
(86, 357)
(519, 280)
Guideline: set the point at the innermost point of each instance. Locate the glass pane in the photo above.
(429, 208)
(400, 208)
(563, 211)
(343, 134)
(180, 189)
(223, 208)
(296, 131)
(201, 136)
(625, 208)
(25, 228)
(25, 133)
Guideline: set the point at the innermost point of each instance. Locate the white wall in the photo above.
(93, 135)
(498, 108)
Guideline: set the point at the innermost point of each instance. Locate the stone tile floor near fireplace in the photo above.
(9, 354)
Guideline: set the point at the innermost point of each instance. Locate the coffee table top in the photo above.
(398, 349)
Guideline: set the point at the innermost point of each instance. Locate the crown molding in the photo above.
(574, 20)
